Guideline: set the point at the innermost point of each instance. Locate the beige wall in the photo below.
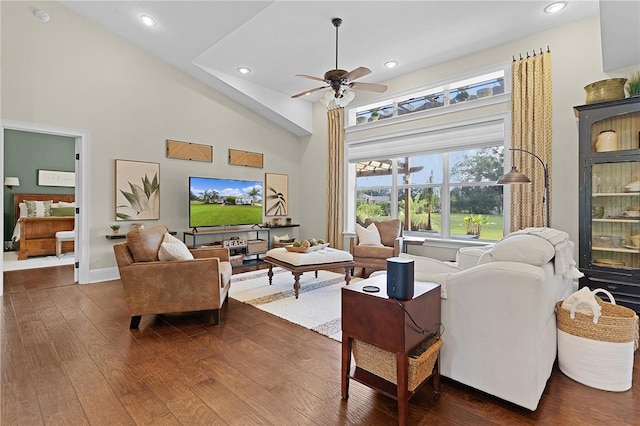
(576, 61)
(71, 73)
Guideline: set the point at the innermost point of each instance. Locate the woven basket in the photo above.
(597, 351)
(236, 259)
(257, 246)
(616, 323)
(383, 363)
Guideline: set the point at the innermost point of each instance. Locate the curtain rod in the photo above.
(534, 54)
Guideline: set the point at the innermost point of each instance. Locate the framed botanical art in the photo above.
(137, 190)
(276, 194)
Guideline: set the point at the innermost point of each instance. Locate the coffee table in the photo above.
(298, 263)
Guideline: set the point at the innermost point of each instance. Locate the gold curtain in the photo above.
(335, 177)
(531, 131)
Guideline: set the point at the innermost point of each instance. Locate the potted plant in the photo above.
(115, 227)
(633, 84)
(375, 114)
(462, 95)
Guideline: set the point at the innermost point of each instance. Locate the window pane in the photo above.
(373, 203)
(373, 173)
(421, 103)
(425, 208)
(476, 165)
(422, 169)
(476, 211)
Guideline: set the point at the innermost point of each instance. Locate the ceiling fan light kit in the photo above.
(340, 80)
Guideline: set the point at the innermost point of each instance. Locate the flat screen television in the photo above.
(224, 202)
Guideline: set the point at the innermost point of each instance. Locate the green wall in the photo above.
(24, 154)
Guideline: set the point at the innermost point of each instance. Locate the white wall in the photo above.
(71, 73)
(576, 62)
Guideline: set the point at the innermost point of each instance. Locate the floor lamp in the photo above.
(514, 176)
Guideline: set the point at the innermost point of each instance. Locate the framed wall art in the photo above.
(137, 190)
(56, 178)
(276, 194)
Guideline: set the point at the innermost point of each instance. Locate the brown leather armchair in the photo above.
(375, 258)
(152, 286)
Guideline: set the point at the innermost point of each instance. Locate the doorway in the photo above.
(81, 138)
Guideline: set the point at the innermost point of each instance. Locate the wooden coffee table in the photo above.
(298, 263)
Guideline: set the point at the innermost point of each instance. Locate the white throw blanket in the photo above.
(585, 302)
(563, 260)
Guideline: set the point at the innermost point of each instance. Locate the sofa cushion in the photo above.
(524, 248)
(468, 257)
(378, 252)
(389, 229)
(225, 273)
(423, 264)
(144, 243)
(369, 236)
(173, 249)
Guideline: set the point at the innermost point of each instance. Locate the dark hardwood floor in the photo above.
(68, 357)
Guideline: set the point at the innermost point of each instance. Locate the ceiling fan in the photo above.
(338, 79)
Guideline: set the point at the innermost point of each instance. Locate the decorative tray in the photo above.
(307, 249)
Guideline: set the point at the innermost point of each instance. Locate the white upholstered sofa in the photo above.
(499, 324)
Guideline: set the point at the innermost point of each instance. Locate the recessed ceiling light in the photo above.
(148, 20)
(244, 70)
(555, 7)
(391, 64)
(42, 15)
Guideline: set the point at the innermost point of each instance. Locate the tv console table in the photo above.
(194, 234)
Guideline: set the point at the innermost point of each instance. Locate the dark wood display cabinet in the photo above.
(609, 197)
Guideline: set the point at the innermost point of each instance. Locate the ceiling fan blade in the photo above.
(307, 92)
(310, 77)
(357, 73)
(372, 87)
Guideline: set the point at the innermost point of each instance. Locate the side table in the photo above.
(375, 319)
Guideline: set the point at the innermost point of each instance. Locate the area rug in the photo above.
(317, 307)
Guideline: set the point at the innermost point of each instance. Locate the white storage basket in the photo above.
(598, 351)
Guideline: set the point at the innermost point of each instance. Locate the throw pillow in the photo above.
(368, 236)
(63, 211)
(65, 204)
(529, 249)
(173, 249)
(38, 208)
(23, 209)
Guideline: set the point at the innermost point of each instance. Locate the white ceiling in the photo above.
(277, 39)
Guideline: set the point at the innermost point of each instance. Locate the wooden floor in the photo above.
(68, 357)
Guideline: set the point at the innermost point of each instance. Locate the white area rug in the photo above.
(318, 305)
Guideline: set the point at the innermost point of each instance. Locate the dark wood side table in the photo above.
(375, 319)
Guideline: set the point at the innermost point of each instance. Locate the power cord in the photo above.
(418, 328)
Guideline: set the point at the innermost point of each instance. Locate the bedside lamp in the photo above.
(10, 182)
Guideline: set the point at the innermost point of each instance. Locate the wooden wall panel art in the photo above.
(245, 158)
(189, 151)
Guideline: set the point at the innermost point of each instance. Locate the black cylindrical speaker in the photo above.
(400, 278)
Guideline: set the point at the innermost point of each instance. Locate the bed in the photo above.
(36, 236)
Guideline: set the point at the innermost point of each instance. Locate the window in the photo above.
(433, 158)
(450, 194)
(485, 85)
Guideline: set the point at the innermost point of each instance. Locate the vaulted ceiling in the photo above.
(210, 40)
